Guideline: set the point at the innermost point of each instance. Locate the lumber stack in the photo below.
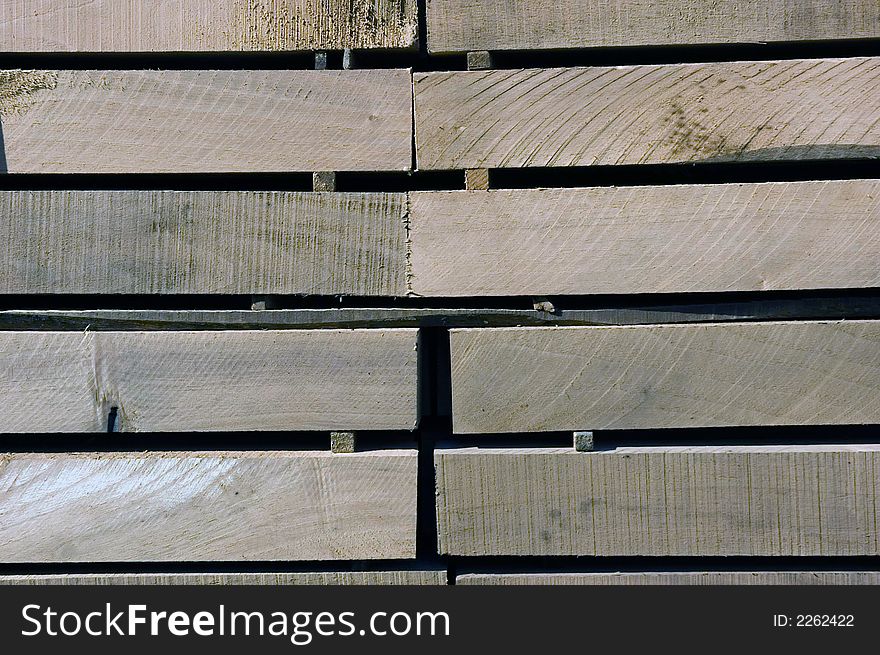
(251, 233)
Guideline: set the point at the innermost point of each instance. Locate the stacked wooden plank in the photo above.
(206, 25)
(468, 25)
(212, 504)
(403, 257)
(653, 500)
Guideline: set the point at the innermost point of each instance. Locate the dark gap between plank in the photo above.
(420, 60)
(158, 442)
(842, 303)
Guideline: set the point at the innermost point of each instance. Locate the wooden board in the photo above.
(209, 381)
(205, 25)
(652, 114)
(150, 507)
(460, 25)
(48, 383)
(211, 579)
(665, 376)
(701, 578)
(652, 239)
(205, 121)
(698, 501)
(237, 242)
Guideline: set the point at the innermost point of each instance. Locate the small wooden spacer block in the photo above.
(348, 61)
(544, 305)
(342, 442)
(476, 179)
(479, 60)
(320, 61)
(261, 303)
(584, 442)
(324, 181)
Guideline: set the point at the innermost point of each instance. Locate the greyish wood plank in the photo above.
(238, 242)
(336, 578)
(205, 25)
(209, 380)
(462, 25)
(650, 114)
(651, 239)
(151, 507)
(662, 501)
(177, 121)
(665, 376)
(48, 383)
(713, 578)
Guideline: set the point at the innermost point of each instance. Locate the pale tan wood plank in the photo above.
(209, 381)
(665, 376)
(713, 578)
(299, 380)
(210, 579)
(652, 114)
(761, 501)
(48, 383)
(205, 121)
(95, 507)
(460, 25)
(205, 25)
(247, 242)
(652, 239)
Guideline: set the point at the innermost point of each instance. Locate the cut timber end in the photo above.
(608, 236)
(479, 60)
(231, 121)
(269, 242)
(646, 114)
(584, 442)
(226, 506)
(343, 442)
(223, 381)
(697, 501)
(324, 181)
(463, 25)
(692, 379)
(187, 26)
(476, 179)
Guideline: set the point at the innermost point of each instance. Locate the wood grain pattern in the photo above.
(652, 239)
(698, 501)
(460, 25)
(143, 242)
(209, 381)
(48, 383)
(130, 507)
(211, 579)
(714, 578)
(205, 121)
(205, 25)
(652, 114)
(665, 376)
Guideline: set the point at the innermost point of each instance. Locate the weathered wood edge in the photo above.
(714, 578)
(331, 578)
